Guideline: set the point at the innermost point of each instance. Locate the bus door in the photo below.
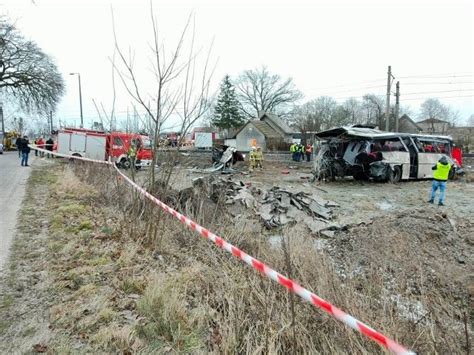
(413, 156)
(429, 156)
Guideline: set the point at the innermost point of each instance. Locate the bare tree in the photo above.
(180, 85)
(374, 107)
(27, 74)
(319, 114)
(260, 91)
(355, 110)
(470, 121)
(435, 111)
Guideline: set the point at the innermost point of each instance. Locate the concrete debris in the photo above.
(276, 207)
(327, 233)
(279, 207)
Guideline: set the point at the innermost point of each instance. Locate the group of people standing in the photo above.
(22, 145)
(40, 143)
(298, 152)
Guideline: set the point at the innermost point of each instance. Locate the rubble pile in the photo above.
(279, 207)
(276, 207)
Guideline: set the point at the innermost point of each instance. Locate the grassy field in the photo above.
(96, 269)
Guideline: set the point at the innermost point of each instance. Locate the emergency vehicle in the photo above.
(100, 145)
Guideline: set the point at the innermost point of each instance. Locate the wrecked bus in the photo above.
(368, 153)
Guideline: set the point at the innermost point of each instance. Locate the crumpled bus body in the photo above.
(367, 153)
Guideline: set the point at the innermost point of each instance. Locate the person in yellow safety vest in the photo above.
(440, 177)
(253, 158)
(259, 158)
(293, 151)
(132, 154)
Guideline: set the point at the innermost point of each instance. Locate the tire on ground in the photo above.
(396, 174)
(360, 176)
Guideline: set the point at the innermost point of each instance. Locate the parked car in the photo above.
(1, 148)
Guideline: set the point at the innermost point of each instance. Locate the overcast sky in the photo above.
(339, 49)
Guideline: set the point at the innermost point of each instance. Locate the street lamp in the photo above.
(80, 96)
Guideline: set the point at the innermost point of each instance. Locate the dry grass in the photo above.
(126, 279)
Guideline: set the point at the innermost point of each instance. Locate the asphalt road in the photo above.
(13, 179)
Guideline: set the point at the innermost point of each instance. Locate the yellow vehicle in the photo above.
(9, 140)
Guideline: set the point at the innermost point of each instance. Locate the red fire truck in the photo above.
(104, 146)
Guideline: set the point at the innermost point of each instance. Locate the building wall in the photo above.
(407, 127)
(247, 135)
(287, 137)
(273, 125)
(439, 127)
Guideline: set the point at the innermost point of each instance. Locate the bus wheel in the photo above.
(125, 163)
(452, 172)
(396, 174)
(360, 176)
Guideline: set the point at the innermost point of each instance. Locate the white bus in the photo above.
(366, 153)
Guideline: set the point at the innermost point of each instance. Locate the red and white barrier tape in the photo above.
(32, 146)
(264, 269)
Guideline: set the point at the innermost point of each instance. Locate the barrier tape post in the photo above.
(264, 269)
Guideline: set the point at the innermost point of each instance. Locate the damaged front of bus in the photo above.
(364, 153)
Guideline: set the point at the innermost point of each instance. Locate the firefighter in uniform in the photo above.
(253, 158)
(259, 158)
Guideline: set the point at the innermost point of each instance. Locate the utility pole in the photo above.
(51, 122)
(397, 106)
(387, 104)
(80, 97)
(3, 123)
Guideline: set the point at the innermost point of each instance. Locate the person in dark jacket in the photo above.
(49, 146)
(25, 151)
(18, 146)
(440, 177)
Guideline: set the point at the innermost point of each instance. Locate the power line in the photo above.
(346, 85)
(436, 92)
(349, 90)
(441, 83)
(427, 76)
(355, 97)
(435, 76)
(438, 97)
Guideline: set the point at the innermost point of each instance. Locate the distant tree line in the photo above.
(256, 91)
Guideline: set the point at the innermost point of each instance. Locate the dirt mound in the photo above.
(422, 258)
(416, 238)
